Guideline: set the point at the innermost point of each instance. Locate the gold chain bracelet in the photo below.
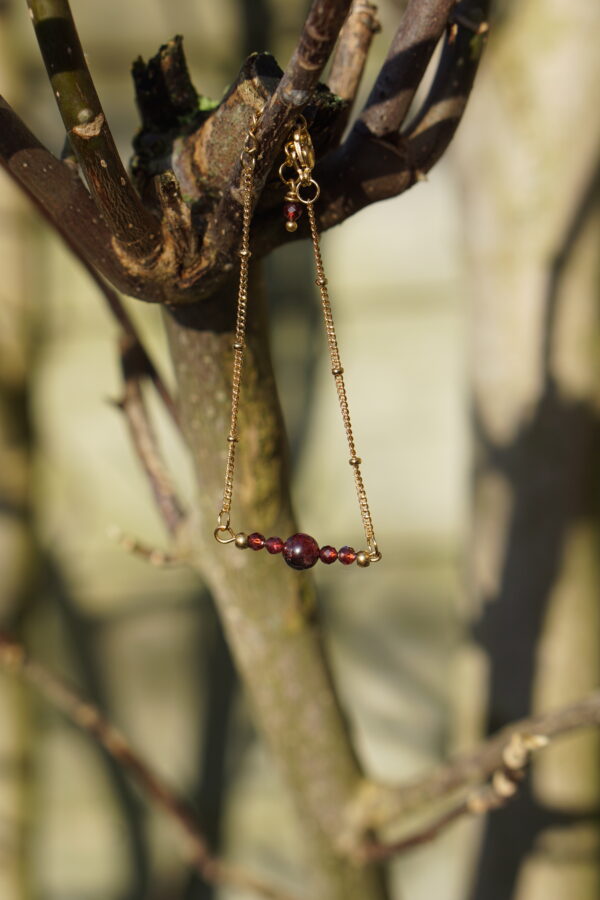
(300, 551)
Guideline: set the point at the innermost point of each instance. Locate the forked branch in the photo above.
(375, 165)
(501, 788)
(378, 805)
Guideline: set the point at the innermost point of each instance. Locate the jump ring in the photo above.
(224, 529)
(308, 200)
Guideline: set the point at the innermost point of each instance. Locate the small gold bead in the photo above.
(291, 226)
(362, 559)
(232, 439)
(355, 460)
(246, 253)
(241, 540)
(238, 345)
(338, 371)
(321, 282)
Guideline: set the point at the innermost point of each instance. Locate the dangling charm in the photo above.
(292, 211)
(300, 551)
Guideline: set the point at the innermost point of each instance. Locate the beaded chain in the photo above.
(300, 551)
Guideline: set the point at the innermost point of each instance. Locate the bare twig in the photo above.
(503, 786)
(79, 105)
(14, 659)
(143, 437)
(155, 556)
(378, 805)
(352, 49)
(374, 851)
(421, 27)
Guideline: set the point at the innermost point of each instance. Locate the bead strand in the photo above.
(301, 551)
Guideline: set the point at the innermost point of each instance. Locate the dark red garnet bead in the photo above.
(274, 544)
(292, 211)
(301, 551)
(328, 555)
(346, 555)
(256, 541)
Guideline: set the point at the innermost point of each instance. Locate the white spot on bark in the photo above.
(104, 164)
(123, 180)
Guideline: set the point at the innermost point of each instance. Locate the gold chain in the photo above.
(248, 161)
(296, 173)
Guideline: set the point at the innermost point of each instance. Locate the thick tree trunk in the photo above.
(267, 609)
(534, 229)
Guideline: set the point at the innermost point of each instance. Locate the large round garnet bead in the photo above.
(301, 551)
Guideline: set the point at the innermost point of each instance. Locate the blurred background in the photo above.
(468, 322)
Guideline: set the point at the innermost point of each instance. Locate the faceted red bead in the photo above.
(274, 544)
(256, 541)
(301, 551)
(292, 211)
(346, 555)
(328, 555)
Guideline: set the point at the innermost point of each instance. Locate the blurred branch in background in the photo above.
(87, 717)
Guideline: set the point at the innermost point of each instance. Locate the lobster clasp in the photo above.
(303, 152)
(299, 156)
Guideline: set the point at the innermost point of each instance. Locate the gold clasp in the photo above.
(299, 161)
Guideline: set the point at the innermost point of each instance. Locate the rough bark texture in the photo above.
(534, 228)
(268, 609)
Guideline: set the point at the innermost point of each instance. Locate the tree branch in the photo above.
(61, 197)
(62, 200)
(351, 51)
(134, 368)
(421, 27)
(502, 787)
(378, 805)
(432, 130)
(128, 220)
(368, 168)
(84, 715)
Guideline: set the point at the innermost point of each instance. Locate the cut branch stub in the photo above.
(170, 108)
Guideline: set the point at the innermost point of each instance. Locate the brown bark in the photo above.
(267, 609)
